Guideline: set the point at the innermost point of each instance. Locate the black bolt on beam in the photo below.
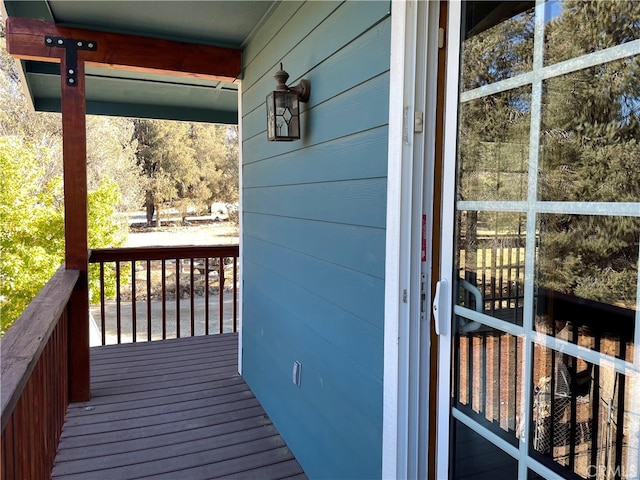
(71, 46)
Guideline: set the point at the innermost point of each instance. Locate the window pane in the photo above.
(487, 380)
(497, 42)
(590, 132)
(475, 458)
(583, 418)
(591, 26)
(586, 279)
(490, 263)
(494, 146)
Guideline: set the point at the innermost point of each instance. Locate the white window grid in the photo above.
(532, 207)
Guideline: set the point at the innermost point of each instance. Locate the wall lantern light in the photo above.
(283, 112)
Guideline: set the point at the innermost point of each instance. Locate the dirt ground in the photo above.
(221, 233)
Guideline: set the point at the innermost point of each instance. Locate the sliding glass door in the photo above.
(543, 183)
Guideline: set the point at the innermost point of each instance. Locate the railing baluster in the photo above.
(149, 300)
(102, 305)
(33, 426)
(206, 296)
(192, 296)
(164, 299)
(9, 451)
(183, 256)
(134, 323)
(178, 270)
(220, 294)
(118, 303)
(235, 293)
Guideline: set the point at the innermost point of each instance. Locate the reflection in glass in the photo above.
(586, 279)
(494, 146)
(531, 475)
(475, 458)
(490, 263)
(487, 379)
(591, 26)
(590, 133)
(583, 417)
(497, 42)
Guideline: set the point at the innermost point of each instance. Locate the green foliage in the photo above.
(186, 166)
(129, 162)
(216, 153)
(104, 232)
(111, 153)
(31, 226)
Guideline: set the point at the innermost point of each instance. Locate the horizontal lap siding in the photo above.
(314, 233)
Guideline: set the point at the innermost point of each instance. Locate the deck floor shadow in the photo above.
(171, 409)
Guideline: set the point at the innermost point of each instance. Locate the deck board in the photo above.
(172, 409)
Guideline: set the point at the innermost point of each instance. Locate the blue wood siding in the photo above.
(314, 233)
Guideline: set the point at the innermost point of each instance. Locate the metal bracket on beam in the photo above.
(71, 46)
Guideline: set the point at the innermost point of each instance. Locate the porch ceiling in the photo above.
(128, 93)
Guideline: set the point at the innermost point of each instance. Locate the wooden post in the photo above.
(32, 39)
(74, 151)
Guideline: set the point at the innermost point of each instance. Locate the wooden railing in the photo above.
(495, 265)
(153, 289)
(34, 385)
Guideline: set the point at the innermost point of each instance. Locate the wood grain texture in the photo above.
(74, 153)
(160, 253)
(129, 52)
(34, 382)
(22, 345)
(170, 409)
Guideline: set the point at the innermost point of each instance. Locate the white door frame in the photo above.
(447, 233)
(397, 261)
(406, 335)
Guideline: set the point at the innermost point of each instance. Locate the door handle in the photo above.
(439, 308)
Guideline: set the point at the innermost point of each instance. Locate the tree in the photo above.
(589, 149)
(186, 165)
(111, 154)
(216, 153)
(31, 227)
(166, 161)
(590, 152)
(31, 201)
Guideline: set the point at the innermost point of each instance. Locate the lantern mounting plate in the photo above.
(303, 89)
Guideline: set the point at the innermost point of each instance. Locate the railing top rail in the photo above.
(162, 253)
(22, 344)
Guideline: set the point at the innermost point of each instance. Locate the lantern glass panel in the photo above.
(283, 119)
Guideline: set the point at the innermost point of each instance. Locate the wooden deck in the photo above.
(172, 409)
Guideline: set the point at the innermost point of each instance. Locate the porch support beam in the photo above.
(74, 153)
(27, 39)
(125, 52)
